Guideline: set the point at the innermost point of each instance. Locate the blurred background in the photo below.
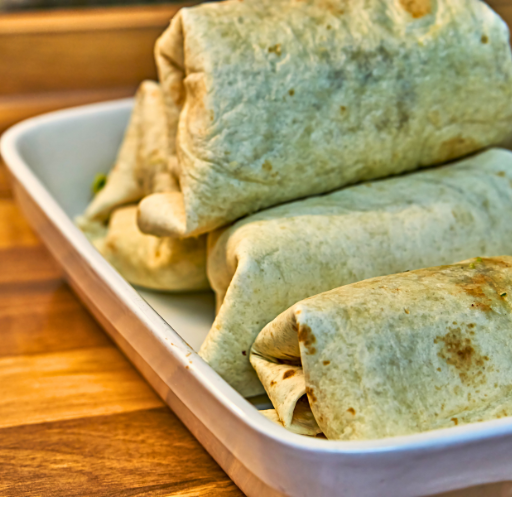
(61, 53)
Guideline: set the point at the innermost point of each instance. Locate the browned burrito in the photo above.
(394, 355)
(268, 261)
(268, 101)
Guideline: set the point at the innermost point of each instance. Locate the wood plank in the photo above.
(143, 453)
(16, 231)
(80, 49)
(71, 384)
(88, 19)
(16, 108)
(45, 316)
(5, 186)
(24, 264)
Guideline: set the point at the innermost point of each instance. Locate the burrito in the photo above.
(142, 164)
(395, 355)
(165, 264)
(267, 262)
(270, 101)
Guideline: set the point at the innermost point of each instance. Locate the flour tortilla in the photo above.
(269, 101)
(144, 163)
(396, 355)
(267, 262)
(159, 263)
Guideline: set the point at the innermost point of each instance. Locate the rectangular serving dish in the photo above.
(53, 159)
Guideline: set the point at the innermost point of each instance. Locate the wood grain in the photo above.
(16, 232)
(44, 317)
(61, 58)
(70, 384)
(143, 453)
(76, 418)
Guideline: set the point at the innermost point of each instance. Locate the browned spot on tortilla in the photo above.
(275, 49)
(267, 166)
(501, 174)
(307, 337)
(484, 282)
(343, 109)
(455, 421)
(244, 353)
(186, 367)
(177, 92)
(416, 8)
(406, 311)
(481, 307)
(311, 395)
(352, 411)
(291, 92)
(455, 148)
(272, 382)
(458, 351)
(484, 39)
(325, 363)
(288, 374)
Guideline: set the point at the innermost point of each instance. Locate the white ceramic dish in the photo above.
(53, 159)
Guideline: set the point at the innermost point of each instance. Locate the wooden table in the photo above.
(75, 417)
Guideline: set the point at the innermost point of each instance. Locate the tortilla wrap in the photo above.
(267, 262)
(396, 355)
(270, 101)
(158, 263)
(143, 163)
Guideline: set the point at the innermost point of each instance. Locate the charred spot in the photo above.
(501, 174)
(275, 49)
(455, 421)
(485, 283)
(458, 351)
(416, 8)
(482, 307)
(325, 363)
(288, 374)
(307, 338)
(343, 109)
(291, 92)
(267, 166)
(244, 353)
(352, 411)
(484, 39)
(456, 147)
(273, 382)
(311, 395)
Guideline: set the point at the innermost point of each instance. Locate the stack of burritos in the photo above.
(323, 165)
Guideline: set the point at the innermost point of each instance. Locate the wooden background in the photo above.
(75, 417)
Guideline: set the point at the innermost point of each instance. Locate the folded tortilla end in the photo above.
(163, 214)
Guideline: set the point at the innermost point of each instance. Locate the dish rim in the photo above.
(208, 379)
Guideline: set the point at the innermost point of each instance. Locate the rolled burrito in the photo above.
(143, 164)
(270, 101)
(267, 262)
(165, 264)
(395, 355)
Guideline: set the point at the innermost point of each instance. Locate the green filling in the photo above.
(98, 183)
